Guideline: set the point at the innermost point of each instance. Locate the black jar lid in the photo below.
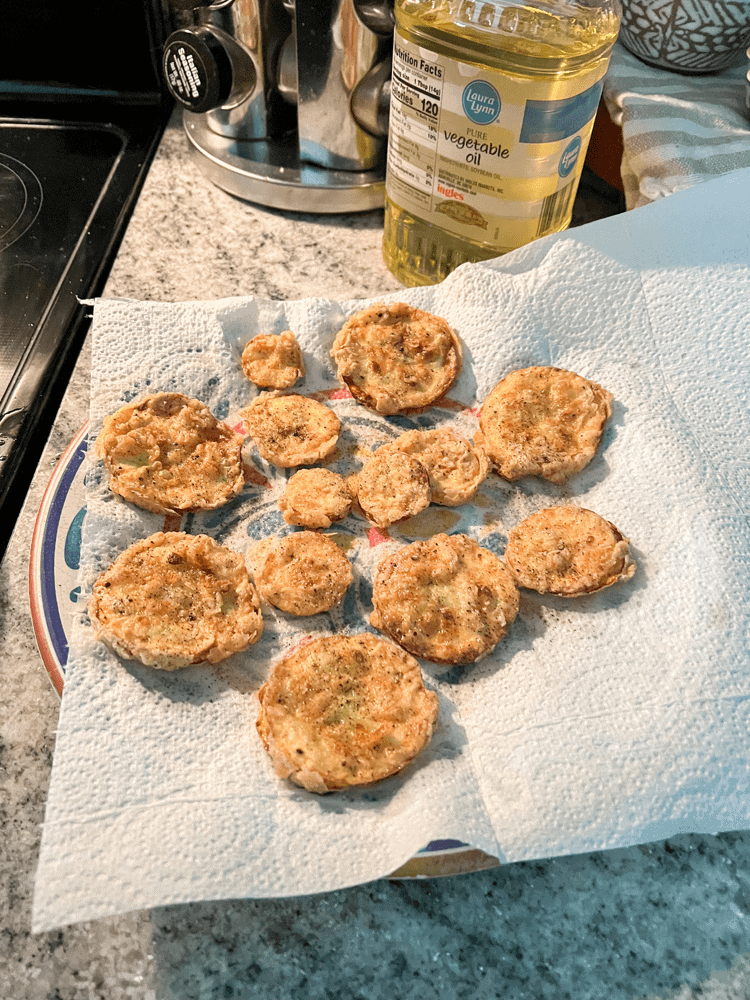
(197, 69)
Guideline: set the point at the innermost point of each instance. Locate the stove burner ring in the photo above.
(20, 199)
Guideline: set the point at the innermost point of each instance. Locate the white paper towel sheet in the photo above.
(613, 719)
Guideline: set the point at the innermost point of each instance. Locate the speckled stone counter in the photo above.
(665, 920)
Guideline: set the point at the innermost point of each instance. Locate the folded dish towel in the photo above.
(677, 130)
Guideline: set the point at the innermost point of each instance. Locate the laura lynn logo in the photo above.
(569, 157)
(481, 102)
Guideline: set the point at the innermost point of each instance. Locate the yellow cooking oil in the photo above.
(492, 106)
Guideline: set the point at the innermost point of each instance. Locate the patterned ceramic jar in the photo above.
(687, 36)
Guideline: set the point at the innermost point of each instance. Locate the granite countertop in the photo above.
(665, 921)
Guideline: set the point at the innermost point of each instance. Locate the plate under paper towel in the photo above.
(614, 719)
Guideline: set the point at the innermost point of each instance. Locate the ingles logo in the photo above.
(449, 192)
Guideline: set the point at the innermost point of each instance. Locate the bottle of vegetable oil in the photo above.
(492, 105)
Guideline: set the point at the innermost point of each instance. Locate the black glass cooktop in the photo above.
(51, 177)
(67, 189)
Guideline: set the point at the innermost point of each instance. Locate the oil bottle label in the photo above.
(485, 155)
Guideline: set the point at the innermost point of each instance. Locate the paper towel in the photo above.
(599, 722)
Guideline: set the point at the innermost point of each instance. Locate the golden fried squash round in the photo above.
(568, 551)
(291, 430)
(273, 360)
(174, 599)
(395, 358)
(455, 467)
(343, 711)
(169, 454)
(446, 599)
(314, 498)
(304, 573)
(543, 422)
(391, 487)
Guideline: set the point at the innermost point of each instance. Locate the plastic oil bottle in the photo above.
(492, 106)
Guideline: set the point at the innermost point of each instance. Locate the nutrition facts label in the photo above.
(416, 96)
